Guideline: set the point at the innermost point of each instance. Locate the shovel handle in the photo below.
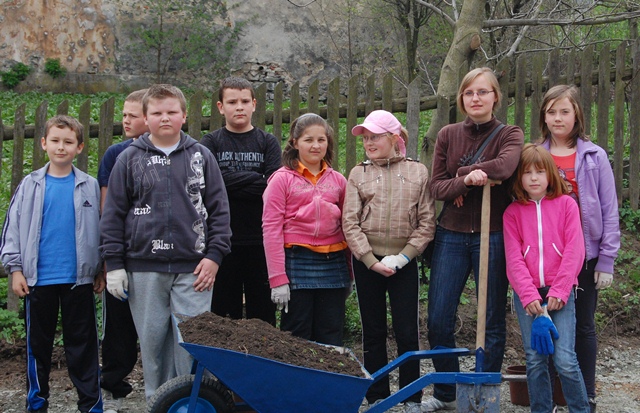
(485, 226)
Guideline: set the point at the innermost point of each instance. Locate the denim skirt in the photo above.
(309, 269)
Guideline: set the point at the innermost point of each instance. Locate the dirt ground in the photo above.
(618, 374)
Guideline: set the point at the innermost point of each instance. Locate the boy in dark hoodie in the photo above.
(165, 230)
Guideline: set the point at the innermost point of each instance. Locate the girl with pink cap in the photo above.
(388, 219)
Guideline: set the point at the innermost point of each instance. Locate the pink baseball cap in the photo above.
(381, 121)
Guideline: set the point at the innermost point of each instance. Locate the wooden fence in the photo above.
(608, 77)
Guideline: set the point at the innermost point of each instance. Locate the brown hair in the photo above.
(64, 121)
(538, 156)
(552, 96)
(136, 96)
(161, 92)
(237, 83)
(298, 126)
(470, 77)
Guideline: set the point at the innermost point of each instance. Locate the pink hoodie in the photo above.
(296, 211)
(544, 246)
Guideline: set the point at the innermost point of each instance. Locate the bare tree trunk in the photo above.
(466, 40)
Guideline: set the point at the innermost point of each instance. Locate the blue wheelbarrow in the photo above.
(269, 386)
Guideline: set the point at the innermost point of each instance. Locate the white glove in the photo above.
(602, 279)
(281, 296)
(118, 284)
(395, 262)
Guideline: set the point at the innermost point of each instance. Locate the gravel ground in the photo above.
(618, 389)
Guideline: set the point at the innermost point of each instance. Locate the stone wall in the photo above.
(281, 42)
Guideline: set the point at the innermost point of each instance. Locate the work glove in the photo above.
(395, 262)
(118, 284)
(602, 279)
(281, 296)
(542, 332)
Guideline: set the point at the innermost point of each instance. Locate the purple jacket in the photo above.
(598, 204)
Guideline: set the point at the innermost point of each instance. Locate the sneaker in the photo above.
(592, 405)
(434, 405)
(412, 407)
(109, 403)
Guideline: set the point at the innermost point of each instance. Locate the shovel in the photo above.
(485, 225)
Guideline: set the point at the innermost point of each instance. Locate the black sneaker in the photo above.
(592, 405)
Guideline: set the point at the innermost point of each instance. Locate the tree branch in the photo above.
(437, 11)
(613, 18)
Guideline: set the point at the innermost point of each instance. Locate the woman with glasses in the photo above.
(388, 219)
(462, 165)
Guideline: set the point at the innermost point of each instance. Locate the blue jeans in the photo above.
(564, 359)
(455, 255)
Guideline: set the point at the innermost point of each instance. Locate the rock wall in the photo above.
(281, 42)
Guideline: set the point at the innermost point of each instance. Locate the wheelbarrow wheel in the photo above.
(173, 396)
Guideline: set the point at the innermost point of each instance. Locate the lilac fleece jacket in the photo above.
(598, 204)
(297, 211)
(544, 246)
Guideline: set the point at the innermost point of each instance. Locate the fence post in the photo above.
(536, 96)
(634, 131)
(294, 106)
(503, 70)
(105, 129)
(194, 118)
(571, 68)
(63, 108)
(413, 116)
(216, 121)
(586, 87)
(259, 116)
(313, 97)
(278, 97)
(554, 67)
(370, 95)
(618, 126)
(84, 117)
(352, 120)
(333, 118)
(387, 92)
(521, 93)
(41, 120)
(13, 303)
(604, 89)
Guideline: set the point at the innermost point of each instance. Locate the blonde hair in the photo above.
(161, 92)
(539, 157)
(473, 75)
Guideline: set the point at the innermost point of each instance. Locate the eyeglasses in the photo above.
(374, 138)
(481, 93)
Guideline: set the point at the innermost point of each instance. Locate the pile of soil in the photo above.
(260, 338)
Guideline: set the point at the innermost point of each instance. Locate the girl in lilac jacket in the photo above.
(544, 248)
(307, 255)
(585, 167)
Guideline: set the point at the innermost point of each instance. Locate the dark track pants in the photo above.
(80, 343)
(119, 345)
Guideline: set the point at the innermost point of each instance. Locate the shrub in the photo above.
(53, 68)
(15, 75)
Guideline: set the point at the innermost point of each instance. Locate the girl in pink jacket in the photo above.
(544, 249)
(307, 255)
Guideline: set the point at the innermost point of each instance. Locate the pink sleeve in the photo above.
(275, 204)
(517, 271)
(573, 254)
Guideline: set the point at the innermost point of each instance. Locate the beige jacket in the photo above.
(388, 209)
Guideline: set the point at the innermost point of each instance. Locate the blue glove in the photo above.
(542, 332)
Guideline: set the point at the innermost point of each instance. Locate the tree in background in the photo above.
(193, 37)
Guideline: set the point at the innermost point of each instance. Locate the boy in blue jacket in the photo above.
(50, 246)
(165, 230)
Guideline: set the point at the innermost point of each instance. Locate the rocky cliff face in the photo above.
(281, 42)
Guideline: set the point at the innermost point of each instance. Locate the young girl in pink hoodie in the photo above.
(544, 249)
(307, 255)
